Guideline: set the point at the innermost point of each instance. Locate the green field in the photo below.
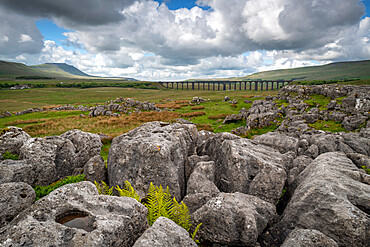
(57, 122)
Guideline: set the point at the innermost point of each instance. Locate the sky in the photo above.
(168, 40)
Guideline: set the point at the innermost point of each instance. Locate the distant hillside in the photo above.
(333, 71)
(60, 69)
(12, 70)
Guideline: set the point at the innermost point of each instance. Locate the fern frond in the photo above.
(106, 189)
(181, 215)
(195, 233)
(151, 204)
(98, 187)
(128, 191)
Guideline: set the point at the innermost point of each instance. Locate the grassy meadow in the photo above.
(207, 115)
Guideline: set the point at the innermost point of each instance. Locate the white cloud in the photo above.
(233, 38)
(25, 38)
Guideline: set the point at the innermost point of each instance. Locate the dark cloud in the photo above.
(72, 12)
(18, 34)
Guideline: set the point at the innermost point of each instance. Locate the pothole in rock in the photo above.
(76, 219)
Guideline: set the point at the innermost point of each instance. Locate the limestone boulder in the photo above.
(192, 161)
(14, 198)
(332, 196)
(308, 238)
(12, 139)
(201, 186)
(87, 145)
(165, 232)
(95, 170)
(234, 219)
(52, 158)
(76, 215)
(22, 171)
(153, 152)
(243, 165)
(281, 142)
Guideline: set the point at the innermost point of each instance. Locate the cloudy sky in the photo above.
(182, 39)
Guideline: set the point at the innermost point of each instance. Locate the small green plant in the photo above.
(159, 203)
(42, 191)
(9, 156)
(103, 188)
(367, 170)
(128, 191)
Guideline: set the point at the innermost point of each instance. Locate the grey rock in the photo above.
(331, 195)
(308, 238)
(337, 116)
(87, 145)
(245, 166)
(344, 142)
(312, 151)
(359, 160)
(18, 171)
(278, 141)
(233, 219)
(76, 215)
(165, 232)
(310, 117)
(95, 170)
(14, 198)
(192, 161)
(348, 104)
(331, 105)
(51, 157)
(201, 186)
(233, 118)
(351, 123)
(12, 139)
(298, 165)
(152, 153)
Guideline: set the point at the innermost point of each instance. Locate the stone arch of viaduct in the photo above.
(225, 85)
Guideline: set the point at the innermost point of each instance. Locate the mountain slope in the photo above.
(11, 70)
(333, 71)
(60, 69)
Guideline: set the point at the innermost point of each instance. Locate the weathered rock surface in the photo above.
(298, 165)
(192, 162)
(52, 158)
(278, 141)
(14, 198)
(201, 186)
(12, 139)
(86, 219)
(308, 238)
(243, 165)
(95, 170)
(332, 196)
(165, 232)
(19, 171)
(87, 145)
(152, 153)
(233, 219)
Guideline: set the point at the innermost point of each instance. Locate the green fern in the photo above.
(104, 189)
(128, 191)
(195, 233)
(159, 203)
(181, 215)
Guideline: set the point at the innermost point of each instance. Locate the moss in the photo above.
(329, 125)
(9, 156)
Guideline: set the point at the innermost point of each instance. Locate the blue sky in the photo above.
(170, 39)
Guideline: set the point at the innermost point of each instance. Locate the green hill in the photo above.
(61, 69)
(333, 71)
(12, 70)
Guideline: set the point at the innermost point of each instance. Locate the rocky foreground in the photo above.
(292, 187)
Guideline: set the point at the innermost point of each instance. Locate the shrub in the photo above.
(42, 191)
